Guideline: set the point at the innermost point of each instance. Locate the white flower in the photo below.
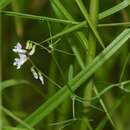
(20, 61)
(22, 56)
(37, 75)
(30, 49)
(18, 48)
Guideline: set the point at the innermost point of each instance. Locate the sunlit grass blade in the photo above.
(114, 9)
(76, 82)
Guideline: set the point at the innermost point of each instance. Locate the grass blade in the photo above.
(35, 17)
(103, 105)
(92, 26)
(12, 82)
(114, 9)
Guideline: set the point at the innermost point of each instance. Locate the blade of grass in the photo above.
(124, 67)
(43, 18)
(12, 82)
(84, 75)
(103, 105)
(114, 9)
(88, 20)
(36, 17)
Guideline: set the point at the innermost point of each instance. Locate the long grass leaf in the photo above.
(12, 82)
(114, 9)
(92, 26)
(36, 17)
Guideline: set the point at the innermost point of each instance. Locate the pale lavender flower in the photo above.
(18, 48)
(30, 49)
(22, 56)
(20, 61)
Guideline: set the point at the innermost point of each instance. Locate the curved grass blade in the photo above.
(12, 82)
(114, 9)
(75, 83)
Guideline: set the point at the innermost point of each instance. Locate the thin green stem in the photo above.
(36, 17)
(94, 5)
(49, 79)
(124, 68)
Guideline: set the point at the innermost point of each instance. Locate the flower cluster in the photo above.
(24, 56)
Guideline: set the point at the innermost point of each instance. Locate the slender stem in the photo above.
(91, 54)
(35, 17)
(124, 67)
(43, 18)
